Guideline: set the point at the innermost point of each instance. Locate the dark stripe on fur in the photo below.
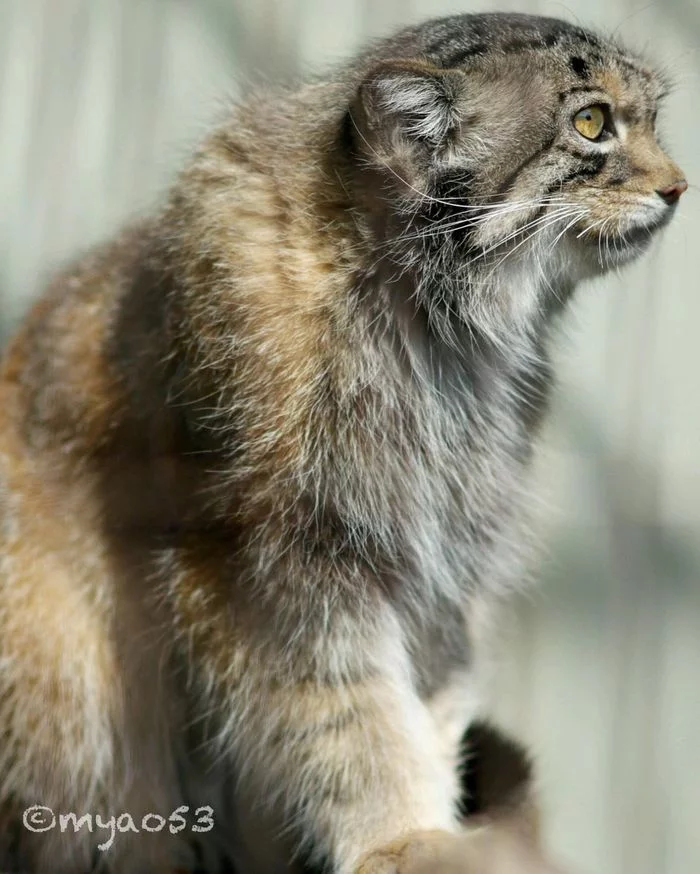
(595, 165)
(510, 180)
(575, 153)
(464, 55)
(575, 89)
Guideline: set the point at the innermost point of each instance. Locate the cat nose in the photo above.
(671, 193)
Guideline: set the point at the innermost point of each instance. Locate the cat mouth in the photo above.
(632, 237)
(615, 244)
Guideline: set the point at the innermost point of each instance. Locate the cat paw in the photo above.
(416, 852)
(482, 851)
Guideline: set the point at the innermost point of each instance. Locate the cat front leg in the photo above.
(500, 815)
(359, 760)
(322, 722)
(333, 734)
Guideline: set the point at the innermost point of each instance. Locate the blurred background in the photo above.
(100, 102)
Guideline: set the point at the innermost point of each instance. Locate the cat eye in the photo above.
(590, 122)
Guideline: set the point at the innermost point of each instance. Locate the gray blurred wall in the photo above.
(100, 101)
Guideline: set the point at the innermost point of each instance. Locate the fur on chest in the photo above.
(430, 479)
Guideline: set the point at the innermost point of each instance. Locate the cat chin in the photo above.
(595, 257)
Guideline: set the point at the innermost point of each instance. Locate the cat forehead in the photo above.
(574, 70)
(576, 57)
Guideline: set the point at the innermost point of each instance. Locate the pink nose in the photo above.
(671, 193)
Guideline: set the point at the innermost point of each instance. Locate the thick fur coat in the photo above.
(264, 457)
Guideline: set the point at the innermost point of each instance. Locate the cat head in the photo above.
(501, 138)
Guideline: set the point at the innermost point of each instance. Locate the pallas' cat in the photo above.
(264, 458)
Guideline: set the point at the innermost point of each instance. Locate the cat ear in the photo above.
(409, 103)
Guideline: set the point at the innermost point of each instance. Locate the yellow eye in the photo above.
(590, 122)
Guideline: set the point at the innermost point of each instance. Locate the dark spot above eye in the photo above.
(579, 66)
